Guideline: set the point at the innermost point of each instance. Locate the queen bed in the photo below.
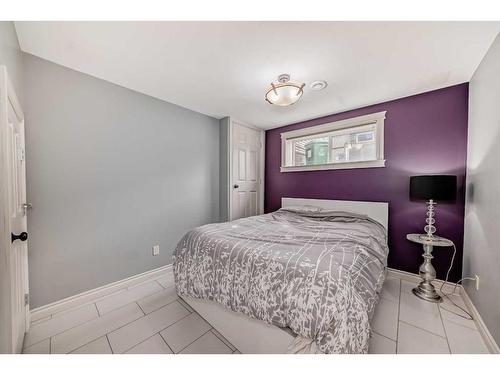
(305, 278)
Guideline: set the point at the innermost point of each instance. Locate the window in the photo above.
(352, 143)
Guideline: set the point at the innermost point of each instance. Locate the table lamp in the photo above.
(432, 188)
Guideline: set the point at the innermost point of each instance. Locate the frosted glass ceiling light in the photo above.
(284, 92)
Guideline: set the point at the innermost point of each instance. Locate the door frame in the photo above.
(7, 94)
(232, 122)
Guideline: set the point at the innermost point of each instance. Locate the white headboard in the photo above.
(378, 211)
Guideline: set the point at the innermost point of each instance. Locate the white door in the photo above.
(246, 171)
(14, 251)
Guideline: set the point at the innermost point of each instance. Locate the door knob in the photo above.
(236, 186)
(23, 236)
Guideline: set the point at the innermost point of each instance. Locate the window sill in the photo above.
(323, 167)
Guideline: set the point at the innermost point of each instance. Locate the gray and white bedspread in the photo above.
(318, 273)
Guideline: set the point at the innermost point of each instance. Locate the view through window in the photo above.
(361, 142)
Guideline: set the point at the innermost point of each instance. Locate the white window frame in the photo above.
(376, 119)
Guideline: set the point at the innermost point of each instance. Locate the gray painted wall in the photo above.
(111, 172)
(482, 210)
(11, 55)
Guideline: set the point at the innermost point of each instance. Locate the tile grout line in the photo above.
(81, 346)
(444, 329)
(212, 327)
(156, 280)
(106, 334)
(192, 342)
(79, 324)
(423, 329)
(200, 338)
(457, 323)
(217, 333)
(209, 330)
(97, 308)
(154, 334)
(161, 307)
(186, 305)
(36, 343)
(166, 343)
(147, 315)
(399, 312)
(143, 297)
(95, 300)
(87, 303)
(109, 343)
(92, 320)
(388, 338)
(137, 303)
(387, 300)
(461, 325)
(76, 307)
(114, 329)
(196, 339)
(152, 280)
(99, 299)
(139, 343)
(128, 303)
(162, 277)
(41, 320)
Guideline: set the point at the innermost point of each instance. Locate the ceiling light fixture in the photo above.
(318, 85)
(284, 92)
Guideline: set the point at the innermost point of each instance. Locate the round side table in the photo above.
(427, 272)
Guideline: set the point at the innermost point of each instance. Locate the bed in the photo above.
(303, 279)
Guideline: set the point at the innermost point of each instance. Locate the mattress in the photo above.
(316, 273)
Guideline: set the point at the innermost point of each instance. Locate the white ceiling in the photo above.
(223, 68)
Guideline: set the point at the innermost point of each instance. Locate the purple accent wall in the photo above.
(424, 134)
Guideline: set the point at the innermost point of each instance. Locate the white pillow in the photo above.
(304, 208)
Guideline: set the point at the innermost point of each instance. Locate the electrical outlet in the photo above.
(156, 250)
(477, 282)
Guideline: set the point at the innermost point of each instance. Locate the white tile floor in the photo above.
(150, 318)
(146, 318)
(406, 324)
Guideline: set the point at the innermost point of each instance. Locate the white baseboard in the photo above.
(91, 295)
(481, 326)
(448, 288)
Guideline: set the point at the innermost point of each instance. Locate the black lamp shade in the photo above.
(436, 187)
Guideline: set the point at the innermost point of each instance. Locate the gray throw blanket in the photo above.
(318, 273)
